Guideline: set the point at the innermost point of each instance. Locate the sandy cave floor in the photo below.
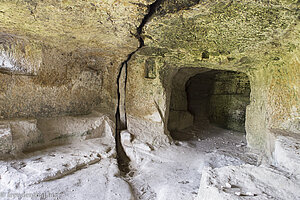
(174, 172)
(88, 169)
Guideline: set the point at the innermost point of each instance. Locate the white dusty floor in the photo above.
(88, 170)
(83, 170)
(174, 172)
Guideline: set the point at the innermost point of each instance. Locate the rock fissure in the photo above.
(121, 120)
(152, 8)
(150, 99)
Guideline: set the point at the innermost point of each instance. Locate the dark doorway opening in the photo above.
(214, 97)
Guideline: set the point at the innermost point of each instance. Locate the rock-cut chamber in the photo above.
(208, 97)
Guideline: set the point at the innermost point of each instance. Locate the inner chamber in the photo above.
(208, 98)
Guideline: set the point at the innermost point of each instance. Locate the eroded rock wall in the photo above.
(274, 102)
(260, 39)
(63, 57)
(59, 62)
(229, 99)
(60, 83)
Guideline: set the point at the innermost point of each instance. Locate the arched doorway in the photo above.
(207, 98)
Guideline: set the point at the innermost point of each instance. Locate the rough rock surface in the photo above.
(63, 57)
(71, 128)
(260, 39)
(174, 171)
(65, 172)
(287, 154)
(84, 165)
(247, 182)
(60, 61)
(5, 139)
(21, 135)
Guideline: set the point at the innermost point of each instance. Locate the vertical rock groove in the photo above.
(121, 120)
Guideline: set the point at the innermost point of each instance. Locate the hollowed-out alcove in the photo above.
(203, 97)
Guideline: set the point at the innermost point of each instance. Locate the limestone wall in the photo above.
(274, 102)
(260, 39)
(229, 99)
(54, 83)
(63, 57)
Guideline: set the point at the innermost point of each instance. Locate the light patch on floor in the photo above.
(82, 170)
(174, 172)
